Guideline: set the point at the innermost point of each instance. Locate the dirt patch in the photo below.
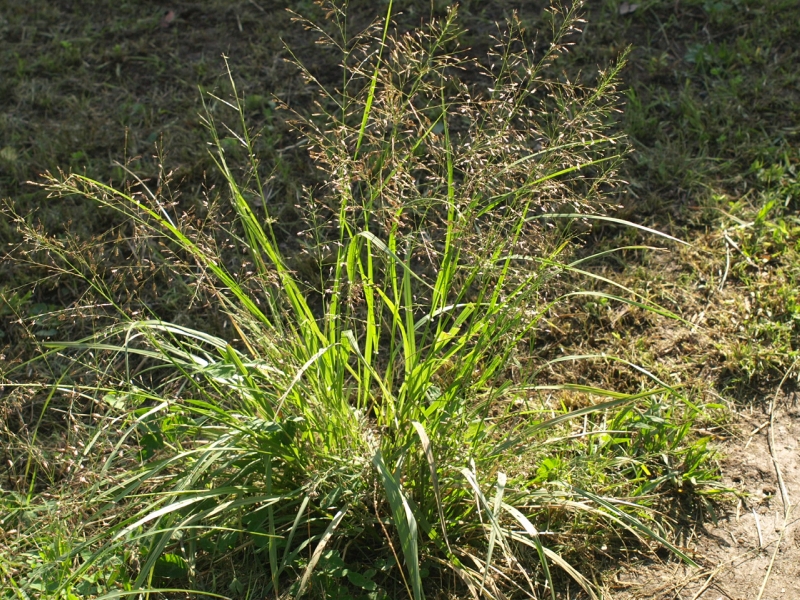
(753, 550)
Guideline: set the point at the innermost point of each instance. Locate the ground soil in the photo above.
(753, 549)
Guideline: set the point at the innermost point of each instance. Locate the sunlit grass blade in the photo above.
(608, 219)
(498, 499)
(635, 523)
(492, 512)
(620, 399)
(299, 375)
(321, 545)
(374, 82)
(292, 532)
(144, 592)
(648, 307)
(405, 522)
(427, 447)
(533, 534)
(607, 357)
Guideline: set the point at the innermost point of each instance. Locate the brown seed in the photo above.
(167, 19)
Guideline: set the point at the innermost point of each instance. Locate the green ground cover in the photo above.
(270, 329)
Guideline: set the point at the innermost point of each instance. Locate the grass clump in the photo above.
(373, 427)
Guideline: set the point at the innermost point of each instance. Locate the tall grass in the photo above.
(365, 423)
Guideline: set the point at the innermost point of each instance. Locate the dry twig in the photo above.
(787, 505)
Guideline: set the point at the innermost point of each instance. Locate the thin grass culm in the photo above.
(370, 427)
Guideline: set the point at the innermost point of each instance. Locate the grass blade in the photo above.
(427, 448)
(323, 542)
(531, 530)
(636, 524)
(498, 500)
(374, 82)
(495, 532)
(404, 522)
(608, 220)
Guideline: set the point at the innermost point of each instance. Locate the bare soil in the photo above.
(752, 552)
